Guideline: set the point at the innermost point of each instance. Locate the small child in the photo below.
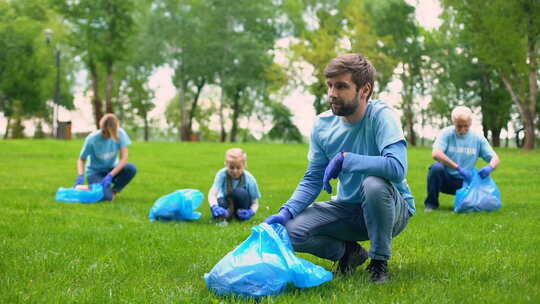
(235, 191)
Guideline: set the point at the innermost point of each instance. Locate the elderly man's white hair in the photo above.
(461, 112)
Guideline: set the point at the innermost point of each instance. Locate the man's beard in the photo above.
(346, 107)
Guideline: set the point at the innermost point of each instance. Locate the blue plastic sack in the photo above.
(72, 195)
(179, 206)
(478, 195)
(263, 265)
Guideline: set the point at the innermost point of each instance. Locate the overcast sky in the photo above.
(300, 103)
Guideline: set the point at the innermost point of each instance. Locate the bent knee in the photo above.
(436, 168)
(131, 168)
(297, 235)
(374, 185)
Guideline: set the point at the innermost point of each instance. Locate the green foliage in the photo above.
(110, 252)
(504, 35)
(39, 133)
(325, 28)
(461, 78)
(283, 128)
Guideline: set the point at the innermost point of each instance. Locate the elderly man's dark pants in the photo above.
(439, 180)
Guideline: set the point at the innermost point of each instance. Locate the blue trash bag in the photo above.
(478, 195)
(72, 195)
(179, 206)
(263, 265)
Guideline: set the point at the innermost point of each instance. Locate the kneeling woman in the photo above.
(102, 146)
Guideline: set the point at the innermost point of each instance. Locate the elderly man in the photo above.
(456, 150)
(360, 142)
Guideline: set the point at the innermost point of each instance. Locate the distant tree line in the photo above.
(224, 55)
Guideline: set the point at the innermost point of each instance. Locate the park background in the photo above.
(191, 78)
(245, 71)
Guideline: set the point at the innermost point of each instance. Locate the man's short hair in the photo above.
(361, 69)
(462, 112)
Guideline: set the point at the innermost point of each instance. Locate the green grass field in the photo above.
(111, 252)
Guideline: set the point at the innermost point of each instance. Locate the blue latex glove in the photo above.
(79, 180)
(332, 171)
(467, 176)
(218, 211)
(107, 180)
(484, 172)
(281, 218)
(245, 214)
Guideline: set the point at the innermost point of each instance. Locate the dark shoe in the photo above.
(379, 271)
(354, 256)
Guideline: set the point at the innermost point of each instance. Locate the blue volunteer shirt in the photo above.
(103, 152)
(464, 150)
(377, 134)
(220, 183)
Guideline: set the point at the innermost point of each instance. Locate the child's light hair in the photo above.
(109, 125)
(236, 154)
(461, 112)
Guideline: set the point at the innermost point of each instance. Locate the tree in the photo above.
(284, 129)
(396, 20)
(331, 27)
(27, 71)
(460, 78)
(248, 32)
(101, 32)
(504, 35)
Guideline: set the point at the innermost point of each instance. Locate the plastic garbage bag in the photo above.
(93, 194)
(263, 265)
(179, 206)
(478, 195)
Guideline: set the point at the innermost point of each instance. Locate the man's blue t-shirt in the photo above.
(220, 183)
(464, 150)
(369, 136)
(103, 152)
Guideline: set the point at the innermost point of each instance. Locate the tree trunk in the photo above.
(146, 131)
(533, 83)
(7, 127)
(496, 137)
(183, 112)
(193, 109)
(223, 136)
(527, 114)
(236, 114)
(109, 88)
(96, 101)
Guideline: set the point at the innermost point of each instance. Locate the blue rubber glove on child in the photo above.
(467, 176)
(332, 171)
(107, 180)
(280, 218)
(218, 211)
(484, 172)
(245, 214)
(79, 180)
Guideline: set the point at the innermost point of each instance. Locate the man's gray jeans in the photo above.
(322, 228)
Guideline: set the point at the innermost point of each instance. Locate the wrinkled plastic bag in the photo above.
(478, 195)
(263, 265)
(179, 206)
(71, 195)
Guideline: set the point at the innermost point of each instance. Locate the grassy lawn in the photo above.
(111, 252)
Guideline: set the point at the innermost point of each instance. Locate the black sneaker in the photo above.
(379, 271)
(354, 256)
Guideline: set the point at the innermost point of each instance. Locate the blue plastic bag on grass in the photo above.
(179, 206)
(263, 265)
(478, 195)
(71, 195)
